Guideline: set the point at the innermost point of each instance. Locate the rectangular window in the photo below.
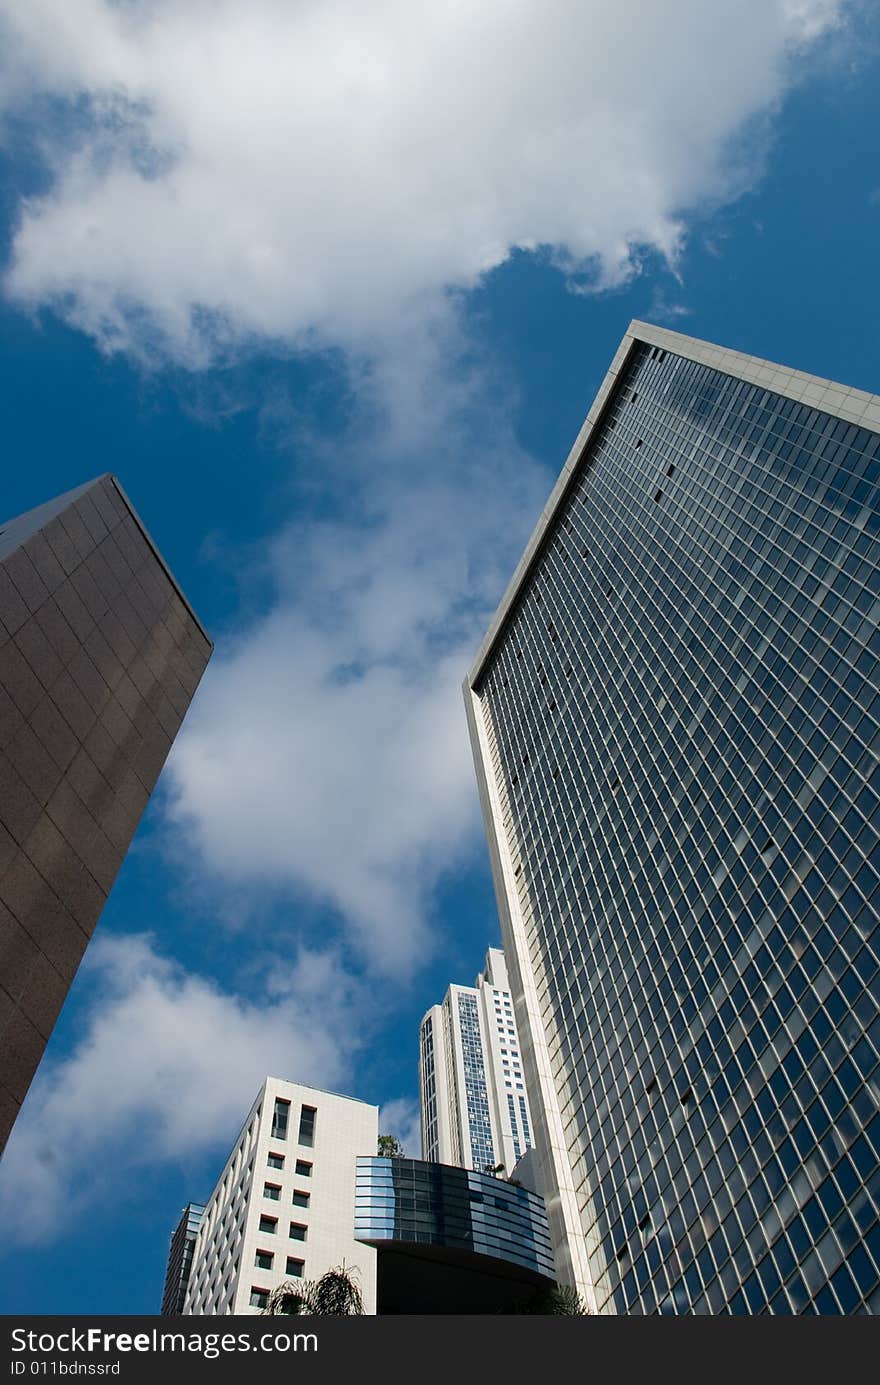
(275, 1161)
(280, 1119)
(300, 1199)
(269, 1225)
(272, 1190)
(307, 1125)
(303, 1168)
(297, 1231)
(259, 1298)
(264, 1259)
(295, 1268)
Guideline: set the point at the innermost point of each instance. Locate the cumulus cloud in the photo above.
(167, 1068)
(240, 170)
(327, 749)
(227, 175)
(400, 1117)
(235, 173)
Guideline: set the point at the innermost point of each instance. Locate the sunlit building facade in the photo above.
(283, 1207)
(474, 1105)
(675, 717)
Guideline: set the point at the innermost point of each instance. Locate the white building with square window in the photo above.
(283, 1207)
(474, 1107)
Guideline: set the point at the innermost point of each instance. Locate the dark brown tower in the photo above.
(100, 654)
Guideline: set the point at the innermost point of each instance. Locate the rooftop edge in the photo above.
(855, 406)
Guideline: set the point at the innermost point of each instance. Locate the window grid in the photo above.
(683, 722)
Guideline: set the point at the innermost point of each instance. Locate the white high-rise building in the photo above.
(283, 1207)
(474, 1108)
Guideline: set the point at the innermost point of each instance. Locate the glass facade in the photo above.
(475, 1091)
(415, 1202)
(428, 1088)
(511, 1110)
(682, 725)
(524, 1118)
(180, 1258)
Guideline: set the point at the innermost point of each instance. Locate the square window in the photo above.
(272, 1190)
(259, 1298)
(263, 1259)
(275, 1161)
(300, 1199)
(303, 1168)
(269, 1225)
(295, 1268)
(298, 1231)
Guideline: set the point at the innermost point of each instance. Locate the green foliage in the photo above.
(390, 1147)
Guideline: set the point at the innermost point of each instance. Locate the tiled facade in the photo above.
(676, 723)
(99, 658)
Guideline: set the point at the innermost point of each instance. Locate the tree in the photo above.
(336, 1294)
(390, 1147)
(563, 1300)
(288, 1299)
(493, 1169)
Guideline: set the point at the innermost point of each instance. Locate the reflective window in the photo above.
(682, 719)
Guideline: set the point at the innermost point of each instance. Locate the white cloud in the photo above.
(234, 173)
(327, 749)
(238, 172)
(166, 1069)
(241, 169)
(400, 1117)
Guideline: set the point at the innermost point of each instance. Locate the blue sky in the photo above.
(332, 299)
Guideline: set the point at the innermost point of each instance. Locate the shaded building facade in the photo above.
(675, 718)
(100, 655)
(180, 1258)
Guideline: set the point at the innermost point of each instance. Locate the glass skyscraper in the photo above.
(675, 717)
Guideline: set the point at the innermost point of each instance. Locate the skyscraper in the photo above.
(304, 1192)
(675, 717)
(284, 1206)
(180, 1258)
(100, 654)
(474, 1106)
